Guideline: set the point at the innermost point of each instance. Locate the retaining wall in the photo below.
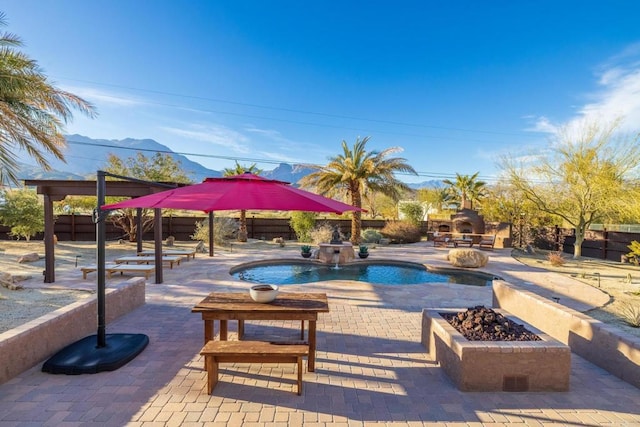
(35, 341)
(609, 348)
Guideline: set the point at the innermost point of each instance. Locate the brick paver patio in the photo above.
(371, 368)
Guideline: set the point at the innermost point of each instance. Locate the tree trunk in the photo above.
(577, 247)
(242, 231)
(356, 219)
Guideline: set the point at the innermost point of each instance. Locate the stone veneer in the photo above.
(496, 365)
(33, 342)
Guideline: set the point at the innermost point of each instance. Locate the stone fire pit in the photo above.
(542, 365)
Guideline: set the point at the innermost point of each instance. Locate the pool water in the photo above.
(378, 273)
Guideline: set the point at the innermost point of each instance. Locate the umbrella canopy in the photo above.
(240, 192)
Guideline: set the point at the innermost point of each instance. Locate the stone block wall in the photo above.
(496, 365)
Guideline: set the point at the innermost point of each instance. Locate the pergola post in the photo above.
(49, 246)
(157, 237)
(139, 229)
(211, 234)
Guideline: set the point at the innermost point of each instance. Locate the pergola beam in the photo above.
(56, 190)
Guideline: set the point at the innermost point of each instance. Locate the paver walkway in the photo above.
(371, 368)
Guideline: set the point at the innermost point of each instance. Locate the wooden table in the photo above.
(225, 306)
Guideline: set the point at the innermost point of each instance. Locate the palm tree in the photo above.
(237, 170)
(32, 110)
(357, 171)
(466, 189)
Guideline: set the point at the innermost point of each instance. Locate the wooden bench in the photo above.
(120, 268)
(216, 352)
(172, 252)
(167, 259)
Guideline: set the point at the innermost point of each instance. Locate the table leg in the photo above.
(223, 330)
(240, 329)
(311, 362)
(208, 330)
(302, 330)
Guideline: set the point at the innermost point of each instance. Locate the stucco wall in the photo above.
(35, 341)
(601, 344)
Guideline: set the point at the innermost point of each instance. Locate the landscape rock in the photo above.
(484, 324)
(467, 257)
(12, 282)
(30, 257)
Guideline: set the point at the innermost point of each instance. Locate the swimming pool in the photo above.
(379, 272)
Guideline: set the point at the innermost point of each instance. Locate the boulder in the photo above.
(30, 257)
(467, 257)
(11, 282)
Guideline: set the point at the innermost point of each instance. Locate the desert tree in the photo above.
(23, 211)
(584, 177)
(160, 167)
(33, 111)
(356, 171)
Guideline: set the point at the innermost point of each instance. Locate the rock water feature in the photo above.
(484, 324)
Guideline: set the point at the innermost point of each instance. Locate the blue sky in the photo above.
(456, 84)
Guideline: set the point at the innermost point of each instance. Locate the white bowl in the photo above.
(263, 293)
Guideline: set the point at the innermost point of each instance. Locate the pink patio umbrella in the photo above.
(240, 192)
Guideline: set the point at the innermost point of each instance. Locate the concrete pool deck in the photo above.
(371, 367)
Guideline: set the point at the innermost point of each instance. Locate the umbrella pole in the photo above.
(101, 236)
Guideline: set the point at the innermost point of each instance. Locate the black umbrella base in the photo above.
(85, 357)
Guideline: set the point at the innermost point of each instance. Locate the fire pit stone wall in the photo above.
(496, 365)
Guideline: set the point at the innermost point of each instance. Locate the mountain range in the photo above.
(85, 156)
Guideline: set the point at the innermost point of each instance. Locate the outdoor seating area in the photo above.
(209, 345)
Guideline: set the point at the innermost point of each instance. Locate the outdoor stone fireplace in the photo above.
(468, 221)
(516, 366)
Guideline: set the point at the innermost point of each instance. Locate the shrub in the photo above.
(401, 232)
(322, 233)
(363, 249)
(302, 223)
(371, 235)
(634, 255)
(630, 313)
(224, 229)
(305, 248)
(556, 259)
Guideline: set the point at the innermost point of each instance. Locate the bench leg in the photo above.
(302, 330)
(211, 365)
(299, 375)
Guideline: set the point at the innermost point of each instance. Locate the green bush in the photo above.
(302, 223)
(371, 235)
(414, 212)
(23, 211)
(401, 232)
(224, 229)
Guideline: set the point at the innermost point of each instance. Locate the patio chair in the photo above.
(443, 240)
(487, 242)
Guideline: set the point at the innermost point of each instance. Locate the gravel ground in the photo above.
(38, 298)
(620, 281)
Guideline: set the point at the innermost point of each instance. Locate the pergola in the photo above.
(56, 190)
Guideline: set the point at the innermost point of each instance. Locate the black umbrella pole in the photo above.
(101, 237)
